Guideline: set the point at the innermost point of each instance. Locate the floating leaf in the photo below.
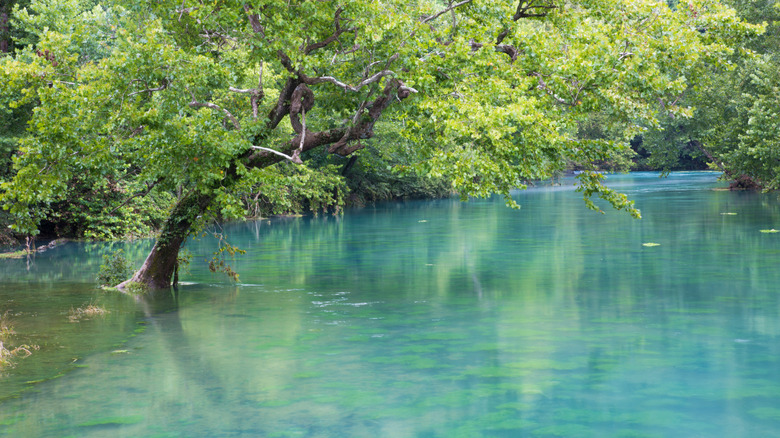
(651, 244)
(729, 214)
(120, 352)
(770, 231)
(421, 221)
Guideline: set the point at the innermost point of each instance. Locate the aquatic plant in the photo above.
(8, 354)
(89, 311)
(6, 329)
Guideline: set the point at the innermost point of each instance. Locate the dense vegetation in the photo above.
(169, 114)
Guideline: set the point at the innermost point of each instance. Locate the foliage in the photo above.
(6, 329)
(375, 177)
(290, 189)
(115, 268)
(104, 211)
(735, 110)
(225, 251)
(380, 171)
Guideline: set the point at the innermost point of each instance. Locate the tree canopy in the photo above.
(204, 99)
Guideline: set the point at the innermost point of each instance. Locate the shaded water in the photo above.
(427, 319)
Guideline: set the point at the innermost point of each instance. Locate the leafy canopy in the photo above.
(194, 97)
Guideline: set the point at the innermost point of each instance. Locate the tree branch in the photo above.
(444, 11)
(150, 90)
(254, 20)
(339, 137)
(149, 188)
(275, 152)
(529, 5)
(257, 94)
(335, 36)
(195, 104)
(543, 86)
(321, 79)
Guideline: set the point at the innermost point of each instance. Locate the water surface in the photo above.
(427, 319)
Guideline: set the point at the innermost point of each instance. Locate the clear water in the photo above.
(427, 319)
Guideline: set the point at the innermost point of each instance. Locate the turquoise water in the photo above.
(426, 319)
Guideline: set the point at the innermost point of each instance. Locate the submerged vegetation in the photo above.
(9, 353)
(86, 312)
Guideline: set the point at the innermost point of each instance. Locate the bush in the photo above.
(114, 270)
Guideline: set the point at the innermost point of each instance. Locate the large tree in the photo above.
(199, 98)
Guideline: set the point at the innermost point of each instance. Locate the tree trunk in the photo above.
(5, 39)
(160, 264)
(739, 182)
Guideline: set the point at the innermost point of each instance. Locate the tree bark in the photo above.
(5, 45)
(160, 264)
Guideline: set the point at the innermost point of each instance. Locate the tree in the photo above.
(198, 98)
(733, 125)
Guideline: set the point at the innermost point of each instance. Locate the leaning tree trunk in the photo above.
(161, 262)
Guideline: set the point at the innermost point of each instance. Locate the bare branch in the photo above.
(352, 49)
(321, 79)
(293, 159)
(242, 90)
(509, 50)
(286, 62)
(282, 107)
(543, 86)
(257, 94)
(338, 138)
(296, 157)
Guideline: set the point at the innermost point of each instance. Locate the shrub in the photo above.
(114, 270)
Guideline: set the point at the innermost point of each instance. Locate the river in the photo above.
(424, 319)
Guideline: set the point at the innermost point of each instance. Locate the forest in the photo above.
(122, 119)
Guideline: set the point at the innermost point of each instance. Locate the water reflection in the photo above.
(449, 319)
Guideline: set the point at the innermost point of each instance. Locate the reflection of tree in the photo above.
(70, 261)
